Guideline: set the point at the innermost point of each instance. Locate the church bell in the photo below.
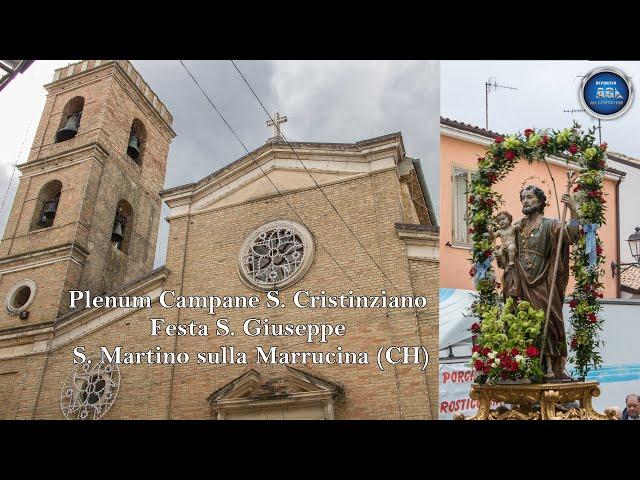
(116, 234)
(132, 149)
(70, 129)
(48, 213)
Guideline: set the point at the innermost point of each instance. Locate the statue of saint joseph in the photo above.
(530, 279)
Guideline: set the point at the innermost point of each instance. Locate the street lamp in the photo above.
(634, 246)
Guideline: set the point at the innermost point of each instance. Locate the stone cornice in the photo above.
(63, 159)
(337, 158)
(36, 339)
(68, 251)
(422, 241)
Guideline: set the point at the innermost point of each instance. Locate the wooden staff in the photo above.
(570, 177)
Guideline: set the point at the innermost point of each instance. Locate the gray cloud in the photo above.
(337, 101)
(324, 101)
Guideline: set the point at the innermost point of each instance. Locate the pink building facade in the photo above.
(460, 146)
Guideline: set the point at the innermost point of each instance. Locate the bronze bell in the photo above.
(132, 149)
(48, 213)
(116, 234)
(70, 129)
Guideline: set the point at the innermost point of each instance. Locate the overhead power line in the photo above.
(312, 178)
(261, 169)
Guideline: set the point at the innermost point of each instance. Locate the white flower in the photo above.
(492, 355)
(497, 361)
(519, 358)
(475, 355)
(493, 365)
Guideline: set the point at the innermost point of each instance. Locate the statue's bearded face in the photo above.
(530, 202)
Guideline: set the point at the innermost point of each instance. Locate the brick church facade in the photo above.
(86, 215)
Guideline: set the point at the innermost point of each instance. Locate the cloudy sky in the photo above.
(545, 89)
(325, 101)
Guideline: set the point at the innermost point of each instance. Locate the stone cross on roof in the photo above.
(277, 119)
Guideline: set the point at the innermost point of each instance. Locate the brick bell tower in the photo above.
(86, 211)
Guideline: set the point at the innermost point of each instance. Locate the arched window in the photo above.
(137, 141)
(46, 205)
(70, 120)
(122, 226)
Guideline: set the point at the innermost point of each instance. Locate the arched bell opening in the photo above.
(137, 141)
(46, 205)
(122, 226)
(70, 120)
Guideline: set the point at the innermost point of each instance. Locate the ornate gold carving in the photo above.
(546, 401)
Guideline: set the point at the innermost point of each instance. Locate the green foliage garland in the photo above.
(500, 158)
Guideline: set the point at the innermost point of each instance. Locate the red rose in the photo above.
(600, 295)
(475, 327)
(472, 272)
(471, 230)
(476, 348)
(528, 132)
(485, 351)
(599, 250)
(499, 140)
(487, 253)
(532, 351)
(573, 304)
(472, 199)
(592, 318)
(515, 351)
(603, 146)
(486, 369)
(479, 364)
(574, 343)
(577, 187)
(544, 140)
(573, 149)
(510, 154)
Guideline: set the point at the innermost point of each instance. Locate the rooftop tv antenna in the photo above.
(490, 86)
(582, 110)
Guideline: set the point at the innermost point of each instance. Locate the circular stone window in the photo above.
(20, 297)
(276, 255)
(90, 390)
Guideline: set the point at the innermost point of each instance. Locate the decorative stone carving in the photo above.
(546, 401)
(90, 390)
(276, 255)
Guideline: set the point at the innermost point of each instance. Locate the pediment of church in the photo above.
(295, 395)
(253, 387)
(279, 167)
(278, 176)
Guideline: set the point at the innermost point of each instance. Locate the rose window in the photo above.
(276, 255)
(90, 390)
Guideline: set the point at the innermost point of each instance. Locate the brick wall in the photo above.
(212, 239)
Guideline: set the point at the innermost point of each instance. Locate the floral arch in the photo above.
(507, 339)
